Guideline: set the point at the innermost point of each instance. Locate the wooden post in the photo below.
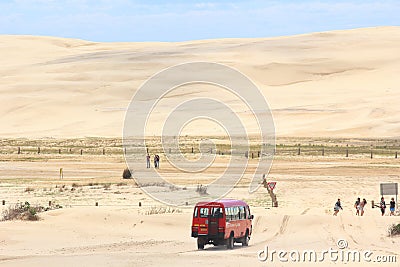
(192, 150)
(19, 150)
(252, 155)
(81, 152)
(97, 204)
(50, 203)
(347, 153)
(38, 150)
(140, 204)
(371, 154)
(323, 151)
(4, 202)
(395, 155)
(298, 151)
(258, 153)
(61, 173)
(271, 193)
(59, 151)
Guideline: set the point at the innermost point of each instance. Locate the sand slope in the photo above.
(121, 237)
(313, 82)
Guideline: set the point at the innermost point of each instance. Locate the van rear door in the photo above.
(214, 221)
(204, 213)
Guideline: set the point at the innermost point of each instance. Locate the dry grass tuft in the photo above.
(162, 210)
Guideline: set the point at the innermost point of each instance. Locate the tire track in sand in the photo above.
(281, 231)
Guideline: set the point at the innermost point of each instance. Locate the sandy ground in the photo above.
(120, 233)
(326, 85)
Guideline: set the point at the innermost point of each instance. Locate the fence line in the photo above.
(51, 203)
(254, 152)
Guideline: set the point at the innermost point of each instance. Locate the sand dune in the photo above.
(313, 82)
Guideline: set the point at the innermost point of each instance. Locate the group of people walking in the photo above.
(156, 161)
(360, 204)
(392, 206)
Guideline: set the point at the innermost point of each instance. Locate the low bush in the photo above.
(202, 190)
(29, 189)
(107, 186)
(25, 212)
(22, 211)
(127, 174)
(394, 229)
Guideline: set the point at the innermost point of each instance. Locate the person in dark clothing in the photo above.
(158, 161)
(155, 161)
(338, 206)
(382, 205)
(392, 206)
(357, 206)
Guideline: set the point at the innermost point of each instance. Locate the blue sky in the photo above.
(179, 20)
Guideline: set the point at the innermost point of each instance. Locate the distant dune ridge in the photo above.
(336, 84)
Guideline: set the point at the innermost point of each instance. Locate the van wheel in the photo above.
(231, 242)
(246, 239)
(200, 244)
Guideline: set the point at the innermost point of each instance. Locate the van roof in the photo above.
(224, 202)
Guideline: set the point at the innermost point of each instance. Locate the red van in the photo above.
(222, 222)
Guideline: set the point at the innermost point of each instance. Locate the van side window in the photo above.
(196, 211)
(236, 213)
(204, 212)
(242, 213)
(228, 213)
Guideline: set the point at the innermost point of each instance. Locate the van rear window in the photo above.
(217, 212)
(204, 212)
